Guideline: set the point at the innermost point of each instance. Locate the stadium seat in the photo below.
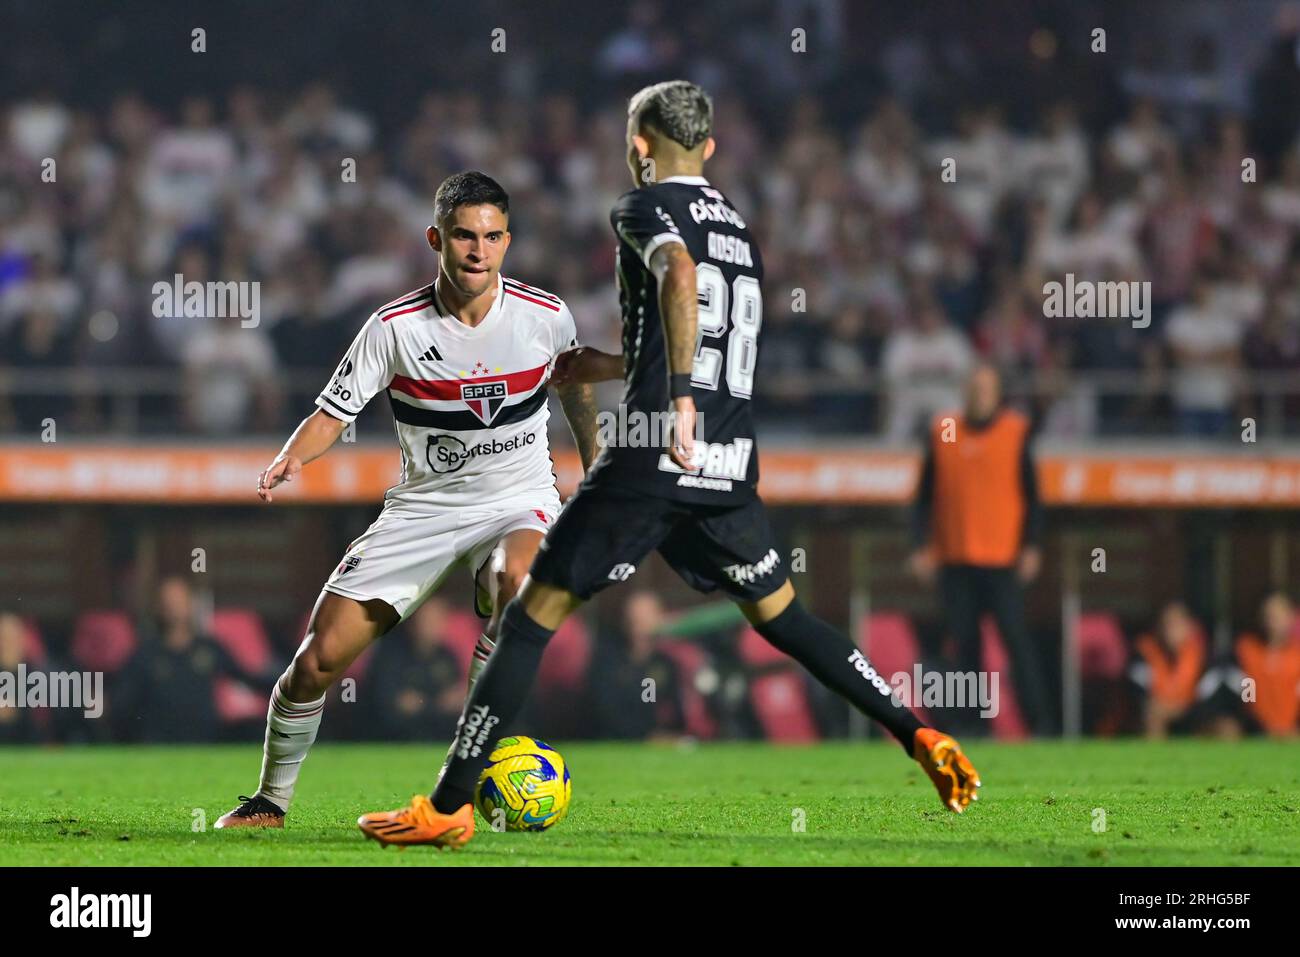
(755, 650)
(33, 645)
(690, 661)
(779, 698)
(238, 702)
(564, 666)
(463, 630)
(1102, 651)
(1009, 723)
(781, 705)
(241, 633)
(889, 642)
(103, 640)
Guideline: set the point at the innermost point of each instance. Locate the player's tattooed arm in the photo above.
(585, 364)
(679, 309)
(678, 303)
(579, 402)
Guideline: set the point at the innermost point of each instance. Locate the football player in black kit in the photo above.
(690, 281)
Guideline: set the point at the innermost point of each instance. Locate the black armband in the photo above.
(679, 385)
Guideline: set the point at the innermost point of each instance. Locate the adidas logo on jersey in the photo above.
(431, 354)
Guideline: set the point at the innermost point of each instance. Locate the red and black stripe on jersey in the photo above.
(460, 420)
(536, 296)
(411, 302)
(464, 421)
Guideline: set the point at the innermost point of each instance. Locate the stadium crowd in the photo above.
(881, 272)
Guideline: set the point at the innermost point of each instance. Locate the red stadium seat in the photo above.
(237, 702)
(1009, 722)
(1102, 651)
(240, 632)
(103, 640)
(756, 650)
(564, 666)
(780, 699)
(690, 661)
(33, 646)
(463, 630)
(889, 642)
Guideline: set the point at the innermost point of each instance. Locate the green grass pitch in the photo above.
(1178, 803)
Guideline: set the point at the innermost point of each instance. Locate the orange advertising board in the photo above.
(181, 474)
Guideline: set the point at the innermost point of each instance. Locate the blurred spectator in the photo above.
(43, 290)
(166, 691)
(1272, 663)
(1138, 141)
(229, 377)
(633, 684)
(841, 359)
(924, 365)
(1205, 340)
(1168, 670)
(38, 340)
(17, 725)
(415, 682)
(188, 169)
(323, 198)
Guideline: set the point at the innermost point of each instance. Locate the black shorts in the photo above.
(604, 533)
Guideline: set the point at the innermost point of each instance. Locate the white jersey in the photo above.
(469, 404)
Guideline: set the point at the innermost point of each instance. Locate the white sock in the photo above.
(290, 732)
(476, 664)
(481, 652)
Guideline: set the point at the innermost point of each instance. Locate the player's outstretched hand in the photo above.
(285, 468)
(682, 448)
(584, 365)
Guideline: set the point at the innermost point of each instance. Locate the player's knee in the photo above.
(509, 579)
(316, 666)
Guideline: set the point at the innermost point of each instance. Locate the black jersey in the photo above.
(729, 271)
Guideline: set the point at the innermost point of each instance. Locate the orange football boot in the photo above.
(419, 823)
(949, 769)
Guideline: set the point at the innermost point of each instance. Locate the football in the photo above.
(525, 787)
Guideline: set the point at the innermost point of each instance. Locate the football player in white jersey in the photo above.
(465, 362)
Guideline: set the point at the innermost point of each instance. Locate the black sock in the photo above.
(495, 701)
(836, 663)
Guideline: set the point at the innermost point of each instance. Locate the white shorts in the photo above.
(403, 557)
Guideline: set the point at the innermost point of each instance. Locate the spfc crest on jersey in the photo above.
(484, 399)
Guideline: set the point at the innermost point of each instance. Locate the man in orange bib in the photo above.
(976, 528)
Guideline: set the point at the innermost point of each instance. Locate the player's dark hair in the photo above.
(470, 188)
(678, 109)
